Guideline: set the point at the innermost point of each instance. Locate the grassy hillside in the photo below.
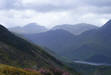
(18, 52)
(13, 50)
(10, 70)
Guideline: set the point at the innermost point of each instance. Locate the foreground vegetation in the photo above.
(9, 70)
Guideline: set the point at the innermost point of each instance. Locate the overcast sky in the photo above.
(54, 12)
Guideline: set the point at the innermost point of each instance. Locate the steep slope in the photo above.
(53, 39)
(14, 48)
(18, 52)
(29, 29)
(77, 28)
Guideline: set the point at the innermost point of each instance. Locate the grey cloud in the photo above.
(94, 6)
(99, 3)
(7, 4)
(102, 10)
(17, 4)
(46, 7)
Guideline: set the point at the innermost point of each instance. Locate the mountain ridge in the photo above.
(29, 29)
(76, 29)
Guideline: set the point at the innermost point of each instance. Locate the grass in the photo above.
(9, 70)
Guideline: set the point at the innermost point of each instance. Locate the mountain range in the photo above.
(86, 46)
(76, 29)
(33, 28)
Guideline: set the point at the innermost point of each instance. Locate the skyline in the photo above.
(49, 13)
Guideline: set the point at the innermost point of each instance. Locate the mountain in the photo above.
(53, 39)
(18, 52)
(80, 47)
(29, 29)
(91, 43)
(15, 49)
(76, 29)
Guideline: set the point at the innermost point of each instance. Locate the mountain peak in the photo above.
(106, 28)
(31, 25)
(29, 29)
(107, 24)
(2, 28)
(109, 21)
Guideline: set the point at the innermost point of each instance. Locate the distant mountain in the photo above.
(94, 42)
(81, 47)
(19, 52)
(53, 39)
(77, 28)
(90, 43)
(29, 29)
